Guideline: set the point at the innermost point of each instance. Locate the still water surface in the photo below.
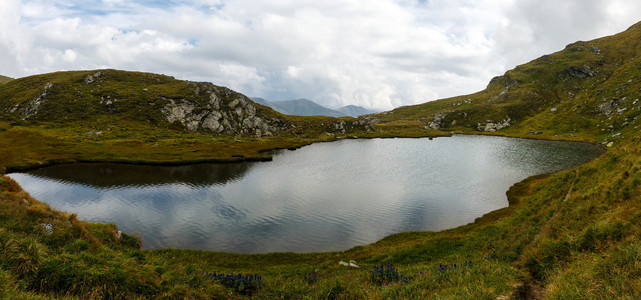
(323, 197)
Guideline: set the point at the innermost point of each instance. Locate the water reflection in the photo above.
(105, 175)
(323, 197)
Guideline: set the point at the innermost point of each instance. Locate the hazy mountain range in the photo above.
(304, 107)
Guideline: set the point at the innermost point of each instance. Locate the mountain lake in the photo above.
(322, 197)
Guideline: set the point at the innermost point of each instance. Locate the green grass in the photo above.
(542, 97)
(86, 259)
(35, 146)
(5, 79)
(573, 234)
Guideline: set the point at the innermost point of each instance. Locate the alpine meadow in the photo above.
(572, 234)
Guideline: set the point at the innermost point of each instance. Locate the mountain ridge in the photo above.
(300, 107)
(306, 107)
(584, 90)
(5, 79)
(106, 99)
(355, 110)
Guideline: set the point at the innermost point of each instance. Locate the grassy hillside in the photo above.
(111, 115)
(5, 79)
(588, 91)
(112, 101)
(573, 234)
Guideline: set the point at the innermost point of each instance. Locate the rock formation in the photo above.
(224, 111)
(493, 126)
(30, 108)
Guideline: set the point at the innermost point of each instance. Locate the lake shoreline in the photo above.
(236, 158)
(268, 156)
(467, 140)
(414, 251)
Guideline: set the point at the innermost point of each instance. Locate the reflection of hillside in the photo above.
(119, 175)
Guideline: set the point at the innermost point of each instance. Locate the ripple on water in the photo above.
(323, 197)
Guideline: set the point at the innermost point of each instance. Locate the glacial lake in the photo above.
(322, 197)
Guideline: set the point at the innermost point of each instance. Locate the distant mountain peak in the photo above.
(306, 107)
(355, 110)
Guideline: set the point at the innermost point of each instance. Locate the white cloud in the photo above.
(69, 56)
(538, 27)
(380, 54)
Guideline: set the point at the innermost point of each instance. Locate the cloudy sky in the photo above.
(378, 54)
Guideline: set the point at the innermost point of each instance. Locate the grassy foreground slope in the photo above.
(573, 234)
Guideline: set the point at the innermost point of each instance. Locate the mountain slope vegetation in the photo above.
(111, 98)
(572, 234)
(5, 79)
(589, 90)
(112, 115)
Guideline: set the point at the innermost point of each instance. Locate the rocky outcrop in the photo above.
(30, 108)
(47, 228)
(340, 126)
(182, 111)
(91, 78)
(222, 111)
(108, 96)
(367, 122)
(436, 122)
(582, 72)
(506, 82)
(608, 107)
(493, 126)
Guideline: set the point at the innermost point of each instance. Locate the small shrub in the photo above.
(588, 240)
(311, 278)
(446, 267)
(385, 274)
(243, 284)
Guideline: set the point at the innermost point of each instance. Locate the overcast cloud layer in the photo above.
(378, 54)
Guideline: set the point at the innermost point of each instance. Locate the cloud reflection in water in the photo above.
(322, 197)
